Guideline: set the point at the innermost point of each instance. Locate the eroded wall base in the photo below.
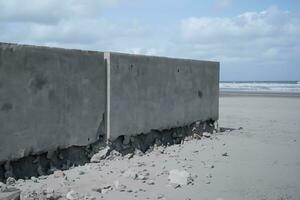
(47, 163)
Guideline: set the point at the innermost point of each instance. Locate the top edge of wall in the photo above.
(16, 45)
(164, 57)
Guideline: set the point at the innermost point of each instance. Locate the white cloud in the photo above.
(68, 23)
(250, 37)
(50, 11)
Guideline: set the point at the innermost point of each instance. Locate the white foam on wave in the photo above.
(280, 87)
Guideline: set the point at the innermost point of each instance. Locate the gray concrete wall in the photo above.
(56, 98)
(159, 93)
(49, 98)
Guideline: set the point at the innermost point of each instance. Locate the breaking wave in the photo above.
(261, 86)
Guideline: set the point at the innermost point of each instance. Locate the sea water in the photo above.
(260, 86)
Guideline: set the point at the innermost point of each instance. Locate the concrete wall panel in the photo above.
(49, 98)
(159, 93)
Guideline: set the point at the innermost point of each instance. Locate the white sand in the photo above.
(263, 161)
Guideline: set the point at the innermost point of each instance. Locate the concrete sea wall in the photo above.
(49, 98)
(149, 92)
(53, 98)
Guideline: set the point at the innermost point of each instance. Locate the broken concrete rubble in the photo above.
(179, 177)
(102, 154)
(74, 156)
(9, 193)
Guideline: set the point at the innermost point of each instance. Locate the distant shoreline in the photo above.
(259, 94)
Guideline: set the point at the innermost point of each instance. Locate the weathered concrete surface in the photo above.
(56, 98)
(49, 98)
(147, 93)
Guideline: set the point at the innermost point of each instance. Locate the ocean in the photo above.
(290, 87)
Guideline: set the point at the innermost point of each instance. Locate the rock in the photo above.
(40, 170)
(10, 194)
(206, 134)
(197, 136)
(216, 125)
(140, 164)
(126, 139)
(105, 189)
(141, 177)
(43, 177)
(225, 154)
(188, 138)
(150, 182)
(102, 154)
(10, 181)
(72, 195)
(208, 176)
(6, 188)
(178, 177)
(138, 152)
(34, 179)
(160, 196)
(129, 156)
(58, 174)
(122, 188)
(115, 153)
(81, 172)
(50, 155)
(60, 156)
(51, 195)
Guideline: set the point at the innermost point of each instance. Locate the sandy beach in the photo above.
(259, 160)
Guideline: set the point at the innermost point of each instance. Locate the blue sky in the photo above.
(253, 40)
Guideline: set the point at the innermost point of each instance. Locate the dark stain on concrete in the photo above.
(6, 107)
(101, 127)
(131, 67)
(200, 94)
(38, 83)
(51, 95)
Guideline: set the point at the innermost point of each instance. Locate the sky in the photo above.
(253, 40)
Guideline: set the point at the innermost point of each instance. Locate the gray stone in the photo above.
(126, 139)
(102, 154)
(206, 134)
(151, 182)
(10, 181)
(225, 154)
(72, 195)
(58, 174)
(10, 194)
(179, 177)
